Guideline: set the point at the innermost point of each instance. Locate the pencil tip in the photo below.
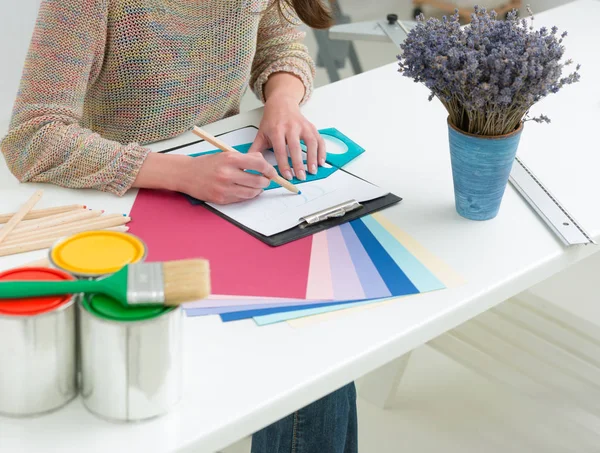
(299, 192)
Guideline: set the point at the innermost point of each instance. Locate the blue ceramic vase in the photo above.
(481, 166)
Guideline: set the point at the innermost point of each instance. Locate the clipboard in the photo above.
(314, 222)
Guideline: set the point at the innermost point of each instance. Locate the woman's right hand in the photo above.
(215, 178)
(220, 178)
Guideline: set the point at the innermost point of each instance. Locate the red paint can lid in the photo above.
(37, 305)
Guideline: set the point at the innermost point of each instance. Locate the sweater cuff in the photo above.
(298, 67)
(128, 168)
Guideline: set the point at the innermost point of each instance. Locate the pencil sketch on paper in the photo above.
(281, 204)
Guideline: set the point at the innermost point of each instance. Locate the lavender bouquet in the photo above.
(489, 73)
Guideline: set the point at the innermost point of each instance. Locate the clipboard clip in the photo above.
(334, 211)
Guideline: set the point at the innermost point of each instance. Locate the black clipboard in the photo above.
(316, 222)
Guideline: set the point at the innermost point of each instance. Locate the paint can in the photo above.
(95, 254)
(131, 367)
(37, 348)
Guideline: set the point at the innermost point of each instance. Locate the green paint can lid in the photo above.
(108, 308)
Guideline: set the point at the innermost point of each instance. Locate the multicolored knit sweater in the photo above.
(104, 77)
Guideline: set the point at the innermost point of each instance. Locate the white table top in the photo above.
(239, 377)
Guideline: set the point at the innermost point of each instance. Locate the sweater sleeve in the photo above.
(45, 142)
(280, 48)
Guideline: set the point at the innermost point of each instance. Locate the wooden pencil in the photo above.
(44, 262)
(55, 220)
(120, 229)
(23, 247)
(38, 213)
(226, 148)
(18, 216)
(49, 217)
(100, 223)
(41, 244)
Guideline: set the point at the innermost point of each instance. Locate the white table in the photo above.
(239, 377)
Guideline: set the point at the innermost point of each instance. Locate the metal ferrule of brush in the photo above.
(145, 284)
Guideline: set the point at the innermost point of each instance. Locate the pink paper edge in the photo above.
(319, 284)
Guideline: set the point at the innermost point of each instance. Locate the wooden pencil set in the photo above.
(28, 229)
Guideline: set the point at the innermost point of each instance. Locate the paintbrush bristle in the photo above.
(186, 280)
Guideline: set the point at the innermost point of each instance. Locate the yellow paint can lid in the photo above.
(95, 253)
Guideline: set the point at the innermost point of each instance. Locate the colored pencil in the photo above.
(38, 213)
(44, 262)
(100, 223)
(20, 214)
(55, 220)
(226, 148)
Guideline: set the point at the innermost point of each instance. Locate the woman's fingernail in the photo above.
(321, 161)
(301, 175)
(287, 174)
(313, 168)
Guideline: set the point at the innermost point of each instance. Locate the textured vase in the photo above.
(481, 167)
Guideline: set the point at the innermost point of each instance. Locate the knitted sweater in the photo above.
(104, 77)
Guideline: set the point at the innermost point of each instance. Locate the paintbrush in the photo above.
(168, 283)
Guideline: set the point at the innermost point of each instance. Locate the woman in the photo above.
(104, 77)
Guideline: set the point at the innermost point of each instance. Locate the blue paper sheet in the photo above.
(423, 279)
(395, 279)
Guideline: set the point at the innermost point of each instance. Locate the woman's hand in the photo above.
(283, 124)
(220, 178)
(215, 178)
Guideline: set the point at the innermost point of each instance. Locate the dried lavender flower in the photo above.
(489, 73)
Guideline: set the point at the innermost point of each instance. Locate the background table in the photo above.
(239, 378)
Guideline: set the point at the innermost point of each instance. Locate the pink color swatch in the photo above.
(319, 276)
(241, 265)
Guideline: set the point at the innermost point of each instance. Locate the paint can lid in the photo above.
(108, 308)
(95, 253)
(34, 305)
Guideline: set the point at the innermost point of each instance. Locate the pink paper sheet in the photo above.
(320, 286)
(241, 265)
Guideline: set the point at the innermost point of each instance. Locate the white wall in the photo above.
(16, 24)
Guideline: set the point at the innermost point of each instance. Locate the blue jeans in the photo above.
(328, 425)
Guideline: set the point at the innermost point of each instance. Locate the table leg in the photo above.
(379, 387)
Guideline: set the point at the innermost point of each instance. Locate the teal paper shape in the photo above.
(335, 160)
(339, 160)
(322, 172)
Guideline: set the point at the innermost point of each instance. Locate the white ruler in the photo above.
(547, 206)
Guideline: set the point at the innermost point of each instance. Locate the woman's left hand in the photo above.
(283, 124)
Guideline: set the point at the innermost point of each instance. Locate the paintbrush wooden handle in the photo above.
(225, 147)
(39, 213)
(20, 214)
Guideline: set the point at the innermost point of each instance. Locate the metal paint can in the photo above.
(37, 348)
(131, 368)
(95, 254)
